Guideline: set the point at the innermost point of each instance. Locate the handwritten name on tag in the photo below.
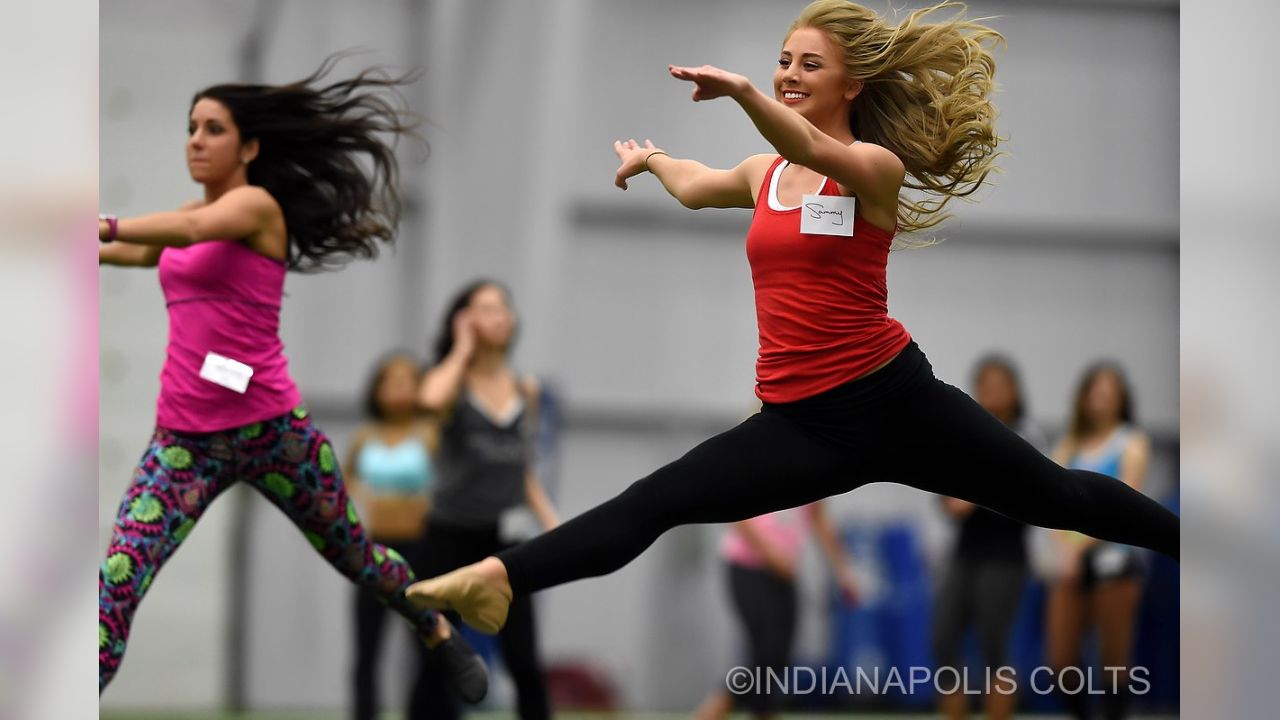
(827, 215)
(230, 374)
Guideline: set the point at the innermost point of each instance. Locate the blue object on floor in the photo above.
(879, 641)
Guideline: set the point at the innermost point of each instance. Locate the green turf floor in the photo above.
(329, 715)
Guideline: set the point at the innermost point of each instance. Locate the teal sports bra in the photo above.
(401, 469)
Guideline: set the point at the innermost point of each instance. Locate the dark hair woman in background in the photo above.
(1098, 580)
(987, 571)
(488, 416)
(296, 177)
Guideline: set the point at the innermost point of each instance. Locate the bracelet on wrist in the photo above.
(113, 225)
(646, 158)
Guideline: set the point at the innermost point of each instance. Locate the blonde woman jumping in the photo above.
(860, 109)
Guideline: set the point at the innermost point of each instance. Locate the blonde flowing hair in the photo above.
(926, 96)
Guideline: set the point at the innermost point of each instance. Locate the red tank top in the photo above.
(822, 303)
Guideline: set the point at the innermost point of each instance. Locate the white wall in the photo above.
(638, 310)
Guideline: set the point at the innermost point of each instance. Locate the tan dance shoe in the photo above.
(464, 591)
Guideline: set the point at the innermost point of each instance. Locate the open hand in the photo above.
(710, 82)
(634, 157)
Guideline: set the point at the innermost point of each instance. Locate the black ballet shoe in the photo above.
(463, 668)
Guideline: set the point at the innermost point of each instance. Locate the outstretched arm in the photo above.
(123, 254)
(866, 170)
(241, 213)
(695, 185)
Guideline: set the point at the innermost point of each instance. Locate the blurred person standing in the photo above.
(762, 555)
(390, 475)
(1099, 581)
(986, 573)
(488, 415)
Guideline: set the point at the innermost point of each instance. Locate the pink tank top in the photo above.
(783, 530)
(222, 297)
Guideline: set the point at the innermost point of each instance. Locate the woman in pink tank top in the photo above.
(284, 189)
(762, 555)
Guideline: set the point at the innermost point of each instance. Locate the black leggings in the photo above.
(898, 424)
(445, 547)
(984, 594)
(766, 607)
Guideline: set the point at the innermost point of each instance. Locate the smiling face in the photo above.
(811, 77)
(215, 152)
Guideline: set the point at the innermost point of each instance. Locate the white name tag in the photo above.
(224, 371)
(517, 524)
(827, 215)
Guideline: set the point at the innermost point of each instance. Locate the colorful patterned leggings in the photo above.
(289, 461)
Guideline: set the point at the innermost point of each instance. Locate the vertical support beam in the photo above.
(250, 70)
(414, 241)
(547, 231)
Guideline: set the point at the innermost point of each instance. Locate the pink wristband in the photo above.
(112, 227)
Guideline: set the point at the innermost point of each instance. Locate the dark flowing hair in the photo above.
(325, 157)
(1080, 423)
(372, 408)
(1002, 363)
(445, 339)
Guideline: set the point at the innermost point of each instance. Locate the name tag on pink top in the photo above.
(827, 215)
(230, 374)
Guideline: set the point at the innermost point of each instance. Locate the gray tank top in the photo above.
(481, 464)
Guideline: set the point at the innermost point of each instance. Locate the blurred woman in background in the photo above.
(488, 416)
(390, 476)
(1099, 581)
(987, 571)
(762, 555)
